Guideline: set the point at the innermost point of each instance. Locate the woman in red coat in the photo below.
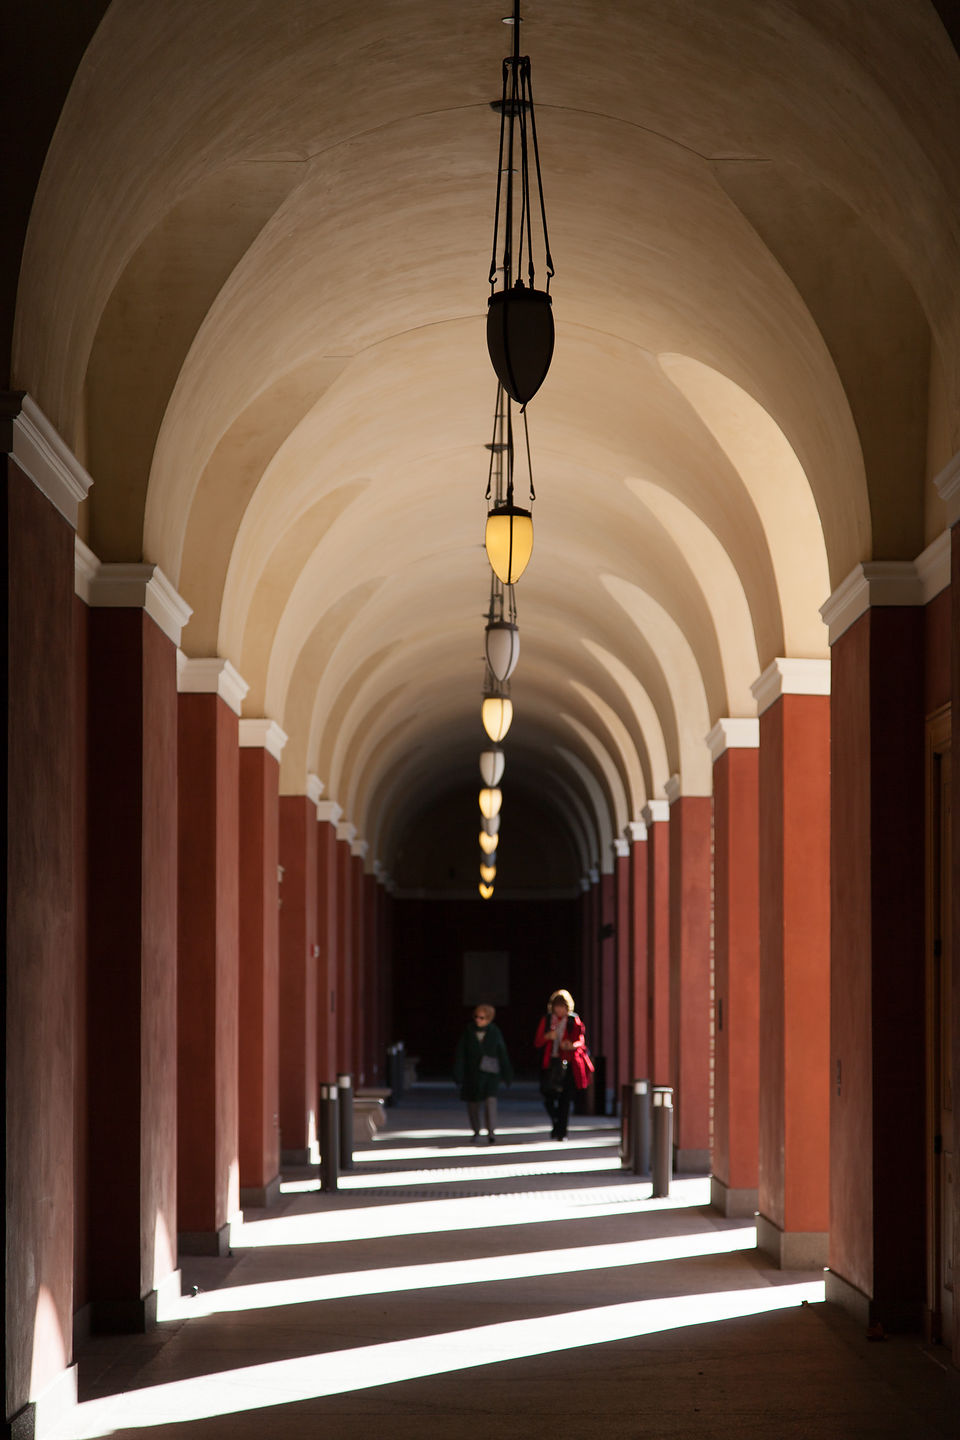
(566, 1064)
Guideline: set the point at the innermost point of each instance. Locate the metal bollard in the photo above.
(329, 1138)
(640, 1127)
(345, 1100)
(662, 1140)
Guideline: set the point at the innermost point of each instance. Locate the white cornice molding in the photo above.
(210, 675)
(655, 812)
(30, 439)
(635, 831)
(933, 567)
(346, 831)
(733, 733)
(329, 812)
(621, 848)
(359, 848)
(263, 735)
(134, 587)
(947, 486)
(85, 569)
(314, 788)
(875, 582)
(671, 788)
(785, 676)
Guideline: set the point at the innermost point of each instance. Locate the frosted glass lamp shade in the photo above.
(509, 541)
(497, 715)
(488, 843)
(491, 766)
(490, 802)
(488, 874)
(503, 648)
(485, 890)
(490, 824)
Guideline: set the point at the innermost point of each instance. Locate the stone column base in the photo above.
(260, 1197)
(691, 1162)
(125, 1317)
(792, 1249)
(38, 1418)
(899, 1316)
(204, 1242)
(734, 1203)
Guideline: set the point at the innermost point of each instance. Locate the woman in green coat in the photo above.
(479, 1065)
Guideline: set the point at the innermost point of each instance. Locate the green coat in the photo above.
(477, 1084)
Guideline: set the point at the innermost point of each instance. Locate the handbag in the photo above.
(490, 1064)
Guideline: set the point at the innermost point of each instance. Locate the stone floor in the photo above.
(519, 1290)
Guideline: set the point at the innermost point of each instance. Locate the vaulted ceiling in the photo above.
(252, 300)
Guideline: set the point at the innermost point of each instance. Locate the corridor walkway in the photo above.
(520, 1290)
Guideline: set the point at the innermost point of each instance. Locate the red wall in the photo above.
(259, 968)
(689, 830)
(658, 953)
(327, 1000)
(639, 1058)
(298, 972)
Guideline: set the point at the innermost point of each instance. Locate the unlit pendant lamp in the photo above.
(520, 332)
(491, 824)
(491, 766)
(502, 643)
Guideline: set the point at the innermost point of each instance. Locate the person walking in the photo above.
(566, 1065)
(480, 1064)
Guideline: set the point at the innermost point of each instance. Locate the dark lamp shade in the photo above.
(503, 648)
(490, 824)
(520, 339)
(509, 541)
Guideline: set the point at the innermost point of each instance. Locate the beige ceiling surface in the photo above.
(252, 300)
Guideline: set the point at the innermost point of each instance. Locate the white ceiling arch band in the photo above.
(599, 803)
(646, 714)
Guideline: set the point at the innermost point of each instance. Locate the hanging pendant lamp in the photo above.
(520, 330)
(502, 644)
(485, 890)
(491, 766)
(490, 801)
(508, 537)
(488, 843)
(496, 714)
(490, 824)
(488, 874)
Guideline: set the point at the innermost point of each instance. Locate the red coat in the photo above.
(578, 1056)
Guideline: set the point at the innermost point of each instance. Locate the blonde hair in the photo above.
(566, 997)
(487, 1009)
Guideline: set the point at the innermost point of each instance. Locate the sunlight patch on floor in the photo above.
(483, 1271)
(436, 1152)
(334, 1222)
(288, 1382)
(458, 1174)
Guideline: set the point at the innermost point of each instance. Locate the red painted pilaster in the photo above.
(372, 1066)
(208, 1181)
(328, 1062)
(877, 1063)
(639, 1063)
(132, 964)
(345, 967)
(607, 967)
(690, 998)
(623, 940)
(259, 968)
(298, 979)
(360, 980)
(736, 965)
(657, 818)
(794, 798)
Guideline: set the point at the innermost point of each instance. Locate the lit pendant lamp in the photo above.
(520, 333)
(490, 801)
(488, 874)
(491, 766)
(491, 824)
(508, 536)
(488, 843)
(485, 890)
(496, 713)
